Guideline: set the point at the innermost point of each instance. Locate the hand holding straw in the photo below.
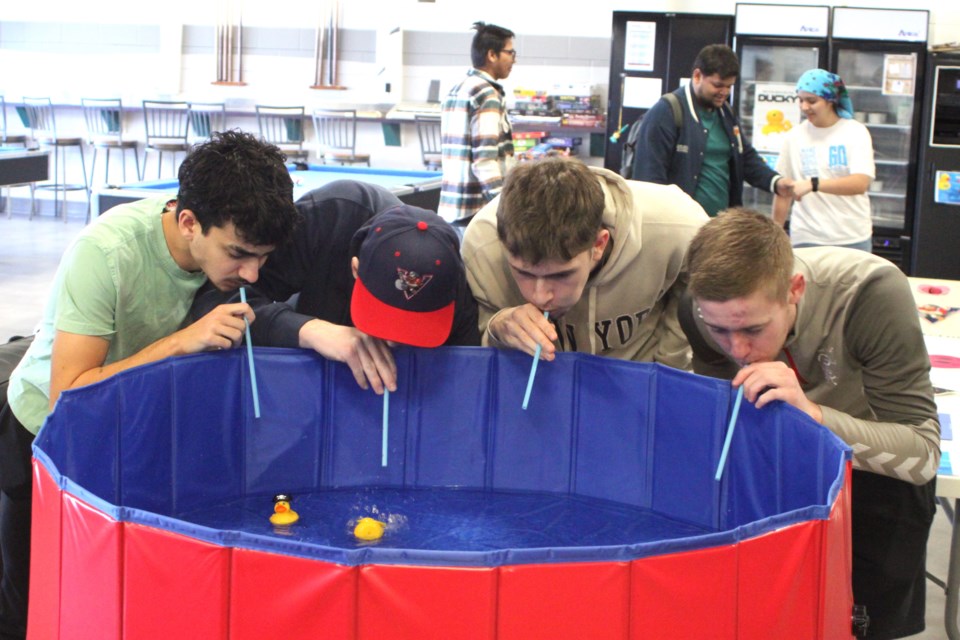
(730, 427)
(253, 371)
(533, 368)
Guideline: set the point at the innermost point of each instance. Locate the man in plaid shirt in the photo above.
(477, 138)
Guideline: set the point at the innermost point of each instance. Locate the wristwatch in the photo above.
(815, 183)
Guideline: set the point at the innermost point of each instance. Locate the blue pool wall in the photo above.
(177, 435)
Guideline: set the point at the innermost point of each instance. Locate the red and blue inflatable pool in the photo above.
(592, 514)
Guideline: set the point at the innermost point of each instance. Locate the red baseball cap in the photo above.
(406, 286)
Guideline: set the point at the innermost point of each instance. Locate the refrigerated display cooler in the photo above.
(880, 54)
(937, 222)
(775, 44)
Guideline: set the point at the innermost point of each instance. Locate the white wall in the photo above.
(522, 16)
(68, 77)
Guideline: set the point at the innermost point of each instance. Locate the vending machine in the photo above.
(651, 54)
(936, 230)
(881, 54)
(775, 44)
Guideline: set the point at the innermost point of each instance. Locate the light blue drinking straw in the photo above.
(253, 371)
(730, 427)
(386, 427)
(533, 368)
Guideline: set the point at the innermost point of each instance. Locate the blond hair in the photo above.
(738, 253)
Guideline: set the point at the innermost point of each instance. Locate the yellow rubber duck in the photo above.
(776, 123)
(282, 513)
(369, 529)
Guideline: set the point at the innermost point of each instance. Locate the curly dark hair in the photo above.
(234, 177)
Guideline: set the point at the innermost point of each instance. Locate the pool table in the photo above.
(418, 188)
(19, 165)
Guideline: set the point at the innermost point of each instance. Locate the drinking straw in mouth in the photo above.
(253, 371)
(533, 368)
(730, 427)
(386, 427)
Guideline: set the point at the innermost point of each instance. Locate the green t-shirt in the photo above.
(713, 188)
(117, 280)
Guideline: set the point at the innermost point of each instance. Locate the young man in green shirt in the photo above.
(119, 299)
(707, 155)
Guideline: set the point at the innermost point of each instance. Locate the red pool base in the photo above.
(119, 463)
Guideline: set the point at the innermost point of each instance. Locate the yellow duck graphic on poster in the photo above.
(776, 122)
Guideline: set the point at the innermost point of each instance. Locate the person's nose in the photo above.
(739, 347)
(250, 268)
(542, 293)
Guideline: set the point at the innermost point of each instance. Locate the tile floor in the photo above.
(29, 256)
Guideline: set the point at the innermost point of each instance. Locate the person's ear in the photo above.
(798, 284)
(600, 244)
(355, 266)
(188, 224)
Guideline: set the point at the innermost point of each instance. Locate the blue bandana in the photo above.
(828, 86)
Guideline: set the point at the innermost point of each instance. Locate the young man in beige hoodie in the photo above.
(578, 259)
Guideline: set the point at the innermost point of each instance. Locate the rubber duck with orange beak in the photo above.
(282, 513)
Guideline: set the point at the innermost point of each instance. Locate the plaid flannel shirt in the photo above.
(477, 145)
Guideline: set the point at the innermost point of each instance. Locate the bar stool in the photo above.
(428, 131)
(104, 118)
(206, 118)
(43, 129)
(8, 139)
(166, 124)
(283, 127)
(337, 136)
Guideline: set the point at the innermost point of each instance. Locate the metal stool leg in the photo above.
(106, 172)
(56, 172)
(93, 163)
(136, 164)
(86, 183)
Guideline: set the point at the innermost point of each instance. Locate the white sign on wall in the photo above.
(640, 46)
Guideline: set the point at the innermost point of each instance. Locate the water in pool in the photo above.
(440, 519)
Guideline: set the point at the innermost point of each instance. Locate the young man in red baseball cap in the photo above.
(408, 275)
(348, 222)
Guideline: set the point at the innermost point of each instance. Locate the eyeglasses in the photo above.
(510, 52)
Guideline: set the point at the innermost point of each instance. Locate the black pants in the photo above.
(16, 492)
(891, 524)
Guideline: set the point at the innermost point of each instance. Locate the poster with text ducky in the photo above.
(775, 112)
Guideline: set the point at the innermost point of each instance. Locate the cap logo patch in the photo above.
(410, 282)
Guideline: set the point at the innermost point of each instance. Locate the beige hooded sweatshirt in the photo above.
(629, 307)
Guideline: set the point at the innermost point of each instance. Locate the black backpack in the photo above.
(630, 144)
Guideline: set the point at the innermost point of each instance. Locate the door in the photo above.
(882, 86)
(768, 78)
